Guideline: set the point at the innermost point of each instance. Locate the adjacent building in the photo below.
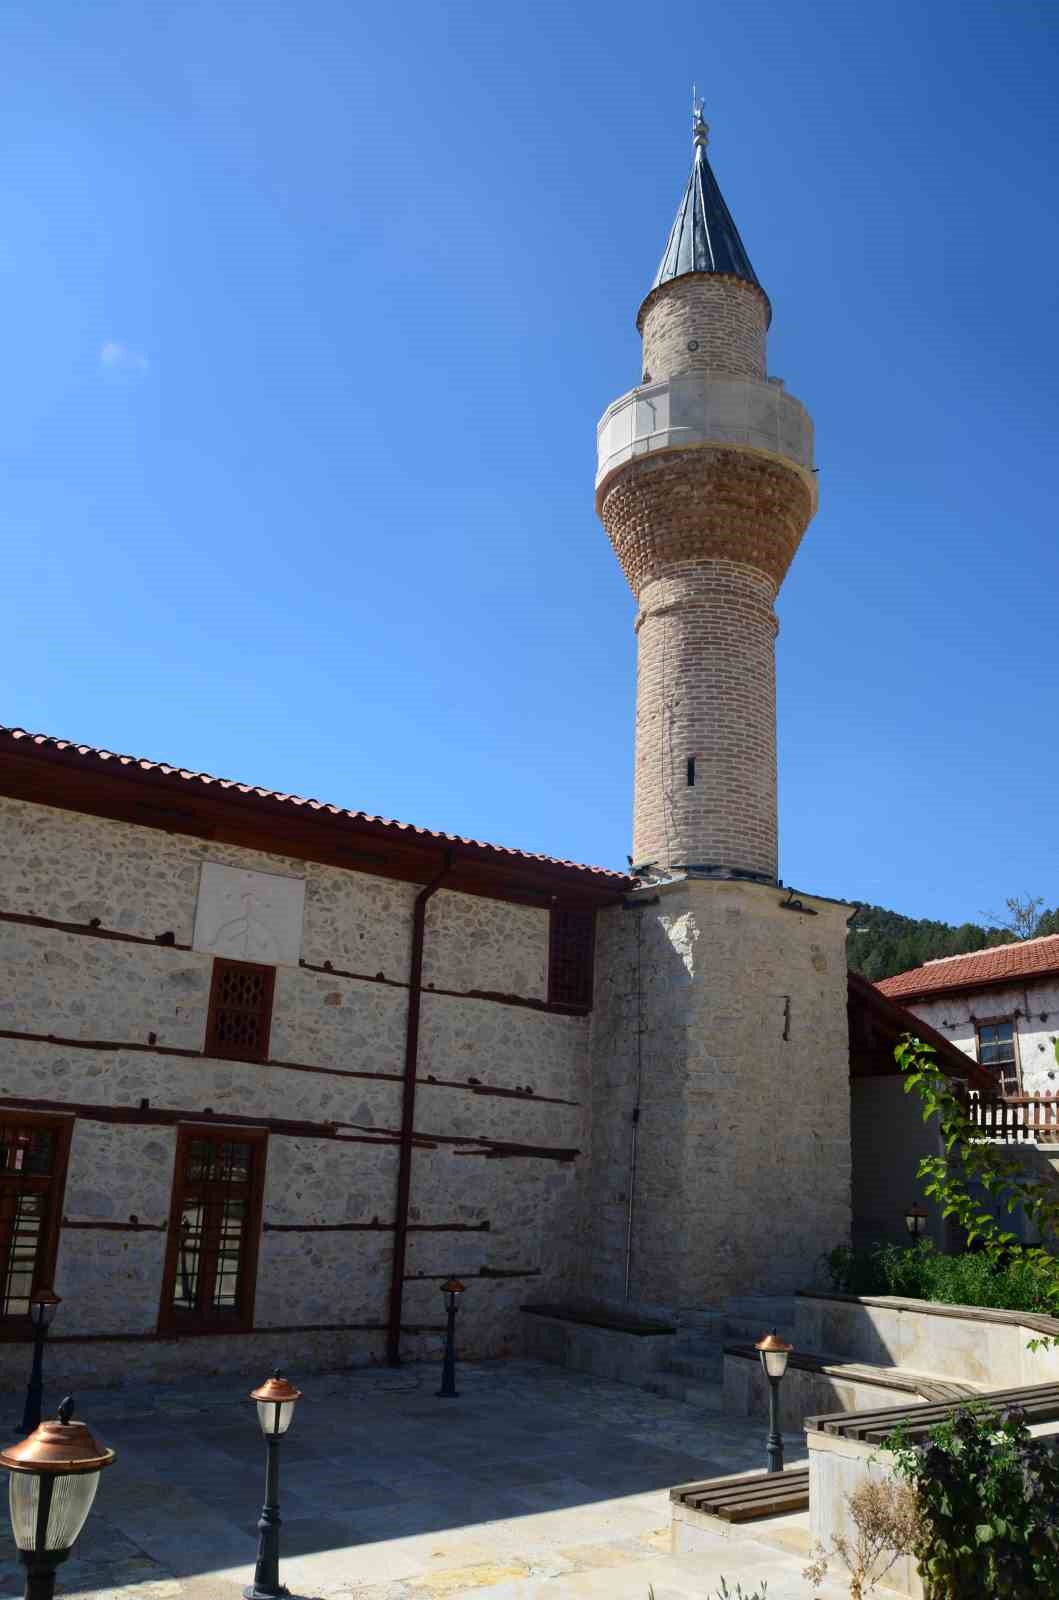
(999, 1006)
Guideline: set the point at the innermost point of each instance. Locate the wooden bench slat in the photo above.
(760, 1491)
(1039, 1401)
(743, 1499)
(791, 1502)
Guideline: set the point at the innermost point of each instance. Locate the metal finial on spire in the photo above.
(700, 129)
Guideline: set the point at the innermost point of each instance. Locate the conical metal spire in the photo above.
(703, 237)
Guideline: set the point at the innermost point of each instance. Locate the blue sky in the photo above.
(311, 312)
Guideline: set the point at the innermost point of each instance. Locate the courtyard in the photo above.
(536, 1481)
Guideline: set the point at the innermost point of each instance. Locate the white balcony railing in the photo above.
(701, 408)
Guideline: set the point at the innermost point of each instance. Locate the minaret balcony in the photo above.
(697, 408)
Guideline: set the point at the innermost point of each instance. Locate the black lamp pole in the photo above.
(40, 1564)
(275, 1409)
(452, 1290)
(774, 1445)
(774, 1353)
(266, 1584)
(42, 1308)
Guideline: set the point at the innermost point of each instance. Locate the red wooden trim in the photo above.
(116, 1227)
(162, 941)
(148, 797)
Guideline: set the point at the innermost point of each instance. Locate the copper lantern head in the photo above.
(775, 1353)
(46, 1522)
(452, 1288)
(276, 1400)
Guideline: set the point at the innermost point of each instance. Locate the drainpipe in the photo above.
(408, 1107)
(634, 1152)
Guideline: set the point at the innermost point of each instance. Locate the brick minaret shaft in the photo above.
(705, 487)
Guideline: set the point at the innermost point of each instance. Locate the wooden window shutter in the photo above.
(210, 1275)
(34, 1151)
(240, 1017)
(570, 957)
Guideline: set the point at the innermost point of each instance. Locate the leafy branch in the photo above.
(970, 1161)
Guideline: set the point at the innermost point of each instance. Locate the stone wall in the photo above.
(723, 1015)
(502, 1106)
(1033, 1006)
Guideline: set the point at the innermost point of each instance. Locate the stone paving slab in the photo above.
(536, 1484)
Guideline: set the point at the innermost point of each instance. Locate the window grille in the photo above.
(214, 1224)
(240, 1019)
(33, 1153)
(997, 1051)
(572, 945)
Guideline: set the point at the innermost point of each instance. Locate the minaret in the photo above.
(705, 487)
(720, 1038)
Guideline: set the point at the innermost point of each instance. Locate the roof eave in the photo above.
(103, 784)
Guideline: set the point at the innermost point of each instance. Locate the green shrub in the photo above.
(921, 1272)
(988, 1500)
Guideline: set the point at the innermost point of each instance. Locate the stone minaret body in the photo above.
(720, 1051)
(705, 487)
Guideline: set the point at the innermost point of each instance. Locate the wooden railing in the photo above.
(1017, 1118)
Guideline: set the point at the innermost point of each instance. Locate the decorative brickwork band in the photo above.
(711, 503)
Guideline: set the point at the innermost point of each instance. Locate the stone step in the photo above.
(769, 1309)
(703, 1368)
(750, 1329)
(705, 1396)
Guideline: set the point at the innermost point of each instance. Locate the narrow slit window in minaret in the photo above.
(691, 772)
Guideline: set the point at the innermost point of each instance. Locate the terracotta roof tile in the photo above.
(1006, 963)
(88, 756)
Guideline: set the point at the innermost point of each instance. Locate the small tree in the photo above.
(970, 1162)
(1023, 915)
(887, 1523)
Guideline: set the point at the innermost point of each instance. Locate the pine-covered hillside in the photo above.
(883, 942)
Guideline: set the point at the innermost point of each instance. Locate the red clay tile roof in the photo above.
(1007, 963)
(87, 756)
(877, 1023)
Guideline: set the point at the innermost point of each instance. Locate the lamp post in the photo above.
(774, 1353)
(43, 1304)
(54, 1478)
(276, 1400)
(916, 1219)
(452, 1288)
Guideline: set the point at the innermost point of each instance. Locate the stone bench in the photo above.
(593, 1339)
(972, 1344)
(816, 1380)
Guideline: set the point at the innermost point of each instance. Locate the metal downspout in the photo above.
(408, 1107)
(634, 1152)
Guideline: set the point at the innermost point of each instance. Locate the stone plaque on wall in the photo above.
(249, 916)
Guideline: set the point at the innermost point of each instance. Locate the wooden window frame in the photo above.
(578, 1007)
(20, 1327)
(221, 1052)
(171, 1322)
(988, 1066)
